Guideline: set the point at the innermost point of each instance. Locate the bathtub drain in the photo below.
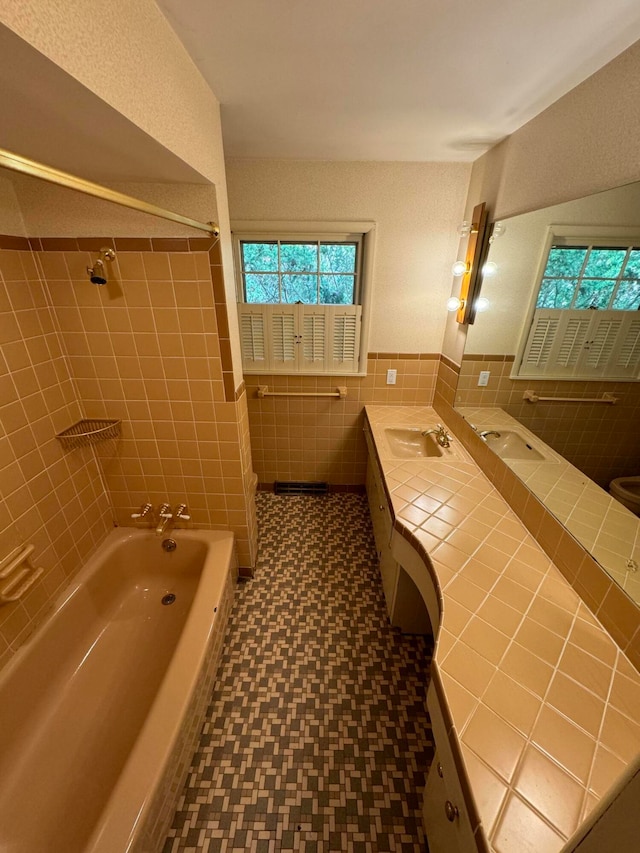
(169, 598)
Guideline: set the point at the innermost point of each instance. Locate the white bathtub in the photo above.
(101, 709)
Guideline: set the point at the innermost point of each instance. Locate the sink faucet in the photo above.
(486, 432)
(442, 436)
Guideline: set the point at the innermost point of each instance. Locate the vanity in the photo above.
(533, 705)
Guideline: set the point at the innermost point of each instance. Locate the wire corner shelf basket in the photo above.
(89, 431)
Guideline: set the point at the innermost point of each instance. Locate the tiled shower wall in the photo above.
(599, 439)
(50, 498)
(321, 438)
(150, 348)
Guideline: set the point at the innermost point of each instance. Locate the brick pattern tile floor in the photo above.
(317, 737)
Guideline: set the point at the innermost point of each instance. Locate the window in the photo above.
(315, 272)
(586, 320)
(595, 277)
(302, 298)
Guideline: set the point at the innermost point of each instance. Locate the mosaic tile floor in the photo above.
(317, 738)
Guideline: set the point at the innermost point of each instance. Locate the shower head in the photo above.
(98, 272)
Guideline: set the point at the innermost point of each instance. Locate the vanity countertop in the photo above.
(603, 525)
(542, 701)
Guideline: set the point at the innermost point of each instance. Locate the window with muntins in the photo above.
(586, 320)
(300, 302)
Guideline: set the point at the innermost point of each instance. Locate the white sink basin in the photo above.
(511, 445)
(410, 443)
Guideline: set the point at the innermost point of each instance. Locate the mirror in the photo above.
(584, 445)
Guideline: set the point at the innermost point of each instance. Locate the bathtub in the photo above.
(101, 709)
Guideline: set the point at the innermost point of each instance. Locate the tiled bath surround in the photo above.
(615, 610)
(308, 438)
(55, 500)
(317, 737)
(151, 348)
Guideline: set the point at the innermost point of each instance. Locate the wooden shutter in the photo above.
(252, 337)
(626, 357)
(603, 337)
(282, 323)
(345, 321)
(539, 345)
(314, 337)
(582, 344)
(300, 338)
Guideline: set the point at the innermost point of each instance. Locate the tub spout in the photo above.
(165, 517)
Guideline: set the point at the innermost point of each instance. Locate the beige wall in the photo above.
(584, 143)
(47, 210)
(417, 208)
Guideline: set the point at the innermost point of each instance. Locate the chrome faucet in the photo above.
(145, 513)
(442, 436)
(486, 432)
(165, 517)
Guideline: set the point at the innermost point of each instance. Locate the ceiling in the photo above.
(417, 80)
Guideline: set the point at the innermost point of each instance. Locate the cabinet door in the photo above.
(442, 836)
(381, 523)
(445, 816)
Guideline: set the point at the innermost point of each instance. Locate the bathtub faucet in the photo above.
(166, 517)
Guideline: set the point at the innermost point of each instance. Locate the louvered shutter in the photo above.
(582, 344)
(252, 337)
(603, 337)
(344, 344)
(320, 339)
(314, 338)
(282, 324)
(626, 357)
(540, 343)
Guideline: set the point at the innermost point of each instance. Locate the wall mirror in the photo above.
(580, 260)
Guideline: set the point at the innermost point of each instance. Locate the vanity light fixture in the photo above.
(497, 230)
(470, 268)
(454, 303)
(459, 268)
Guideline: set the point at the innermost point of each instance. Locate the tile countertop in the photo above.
(541, 699)
(586, 510)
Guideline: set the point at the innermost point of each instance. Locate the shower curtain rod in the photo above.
(16, 163)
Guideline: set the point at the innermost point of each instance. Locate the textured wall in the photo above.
(126, 52)
(417, 208)
(145, 73)
(586, 142)
(52, 211)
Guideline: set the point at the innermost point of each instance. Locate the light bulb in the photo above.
(465, 229)
(482, 303)
(453, 303)
(497, 231)
(489, 269)
(459, 268)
